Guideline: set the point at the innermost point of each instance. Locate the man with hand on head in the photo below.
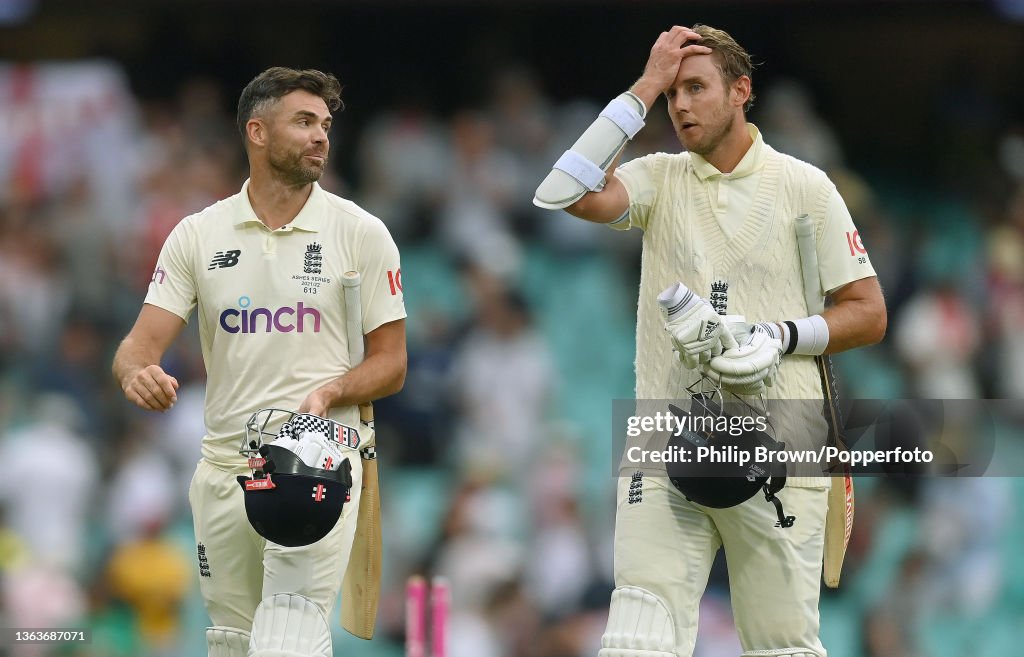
(264, 269)
(719, 243)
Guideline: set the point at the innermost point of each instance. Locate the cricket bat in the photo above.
(360, 589)
(839, 518)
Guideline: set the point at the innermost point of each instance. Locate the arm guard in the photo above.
(581, 169)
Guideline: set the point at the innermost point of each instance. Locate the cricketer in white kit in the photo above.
(264, 269)
(719, 239)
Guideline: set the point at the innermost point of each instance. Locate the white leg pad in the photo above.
(782, 652)
(289, 625)
(639, 625)
(226, 642)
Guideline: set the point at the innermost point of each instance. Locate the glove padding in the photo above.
(698, 335)
(314, 449)
(748, 368)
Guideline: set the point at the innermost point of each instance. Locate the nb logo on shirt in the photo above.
(225, 259)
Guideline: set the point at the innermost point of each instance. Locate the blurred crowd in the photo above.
(496, 458)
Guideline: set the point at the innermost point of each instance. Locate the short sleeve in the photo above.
(637, 176)
(842, 257)
(173, 286)
(381, 277)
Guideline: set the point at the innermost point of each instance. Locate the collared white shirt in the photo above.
(270, 303)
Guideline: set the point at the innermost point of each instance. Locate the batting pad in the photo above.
(226, 642)
(782, 652)
(639, 625)
(289, 625)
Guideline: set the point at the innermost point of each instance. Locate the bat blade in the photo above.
(360, 588)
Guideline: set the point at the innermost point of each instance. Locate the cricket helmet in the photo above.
(734, 475)
(300, 478)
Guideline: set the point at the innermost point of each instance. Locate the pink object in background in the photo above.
(416, 617)
(440, 598)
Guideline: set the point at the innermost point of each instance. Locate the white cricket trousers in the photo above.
(666, 544)
(238, 567)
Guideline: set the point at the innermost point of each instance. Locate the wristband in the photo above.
(806, 337)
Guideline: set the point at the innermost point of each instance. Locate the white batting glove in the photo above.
(748, 368)
(314, 449)
(697, 331)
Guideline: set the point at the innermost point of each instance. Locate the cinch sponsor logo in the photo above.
(159, 275)
(264, 320)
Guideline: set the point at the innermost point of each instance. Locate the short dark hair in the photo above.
(733, 61)
(278, 81)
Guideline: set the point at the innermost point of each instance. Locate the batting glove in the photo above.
(698, 333)
(314, 449)
(748, 368)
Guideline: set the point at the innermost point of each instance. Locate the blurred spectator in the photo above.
(49, 483)
(559, 581)
(70, 370)
(152, 576)
(789, 122)
(938, 336)
(481, 186)
(142, 492)
(37, 595)
(963, 521)
(400, 159)
(890, 626)
(35, 290)
(503, 380)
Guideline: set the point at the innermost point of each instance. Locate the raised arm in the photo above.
(583, 181)
(137, 361)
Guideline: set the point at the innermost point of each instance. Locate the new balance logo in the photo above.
(225, 259)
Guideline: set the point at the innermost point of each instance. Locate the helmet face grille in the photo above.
(269, 424)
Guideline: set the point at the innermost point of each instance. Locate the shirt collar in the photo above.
(310, 217)
(751, 162)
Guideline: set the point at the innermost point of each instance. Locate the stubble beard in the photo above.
(291, 170)
(713, 139)
(710, 142)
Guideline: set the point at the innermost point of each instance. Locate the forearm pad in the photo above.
(581, 169)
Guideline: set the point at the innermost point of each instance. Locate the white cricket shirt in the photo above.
(731, 238)
(271, 305)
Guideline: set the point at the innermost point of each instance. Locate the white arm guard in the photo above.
(581, 168)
